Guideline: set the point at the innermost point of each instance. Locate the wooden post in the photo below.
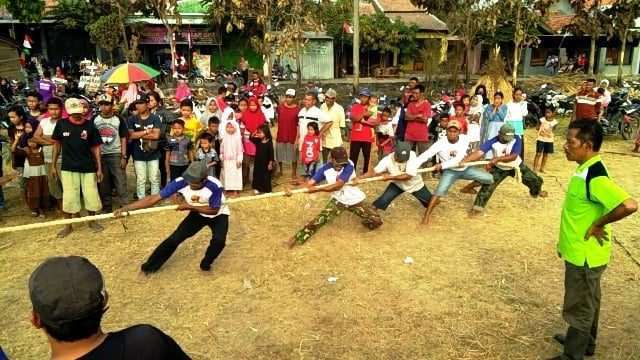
(356, 45)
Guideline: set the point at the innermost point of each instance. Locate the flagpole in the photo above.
(356, 45)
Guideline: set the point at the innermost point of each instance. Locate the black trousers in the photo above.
(193, 223)
(175, 171)
(581, 309)
(354, 152)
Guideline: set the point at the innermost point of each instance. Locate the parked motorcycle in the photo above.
(620, 115)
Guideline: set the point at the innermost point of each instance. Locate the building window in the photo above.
(614, 53)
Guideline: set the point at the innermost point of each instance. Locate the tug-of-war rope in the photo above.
(174, 207)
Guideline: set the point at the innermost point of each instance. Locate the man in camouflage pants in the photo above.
(505, 149)
(337, 172)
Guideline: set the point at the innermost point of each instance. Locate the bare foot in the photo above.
(95, 227)
(466, 190)
(289, 244)
(475, 213)
(543, 194)
(541, 171)
(65, 231)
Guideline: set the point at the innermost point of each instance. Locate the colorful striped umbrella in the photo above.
(129, 72)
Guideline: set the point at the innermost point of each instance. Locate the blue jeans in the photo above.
(393, 191)
(451, 176)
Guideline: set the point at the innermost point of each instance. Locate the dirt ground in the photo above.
(486, 288)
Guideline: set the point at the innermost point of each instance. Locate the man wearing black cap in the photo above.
(144, 133)
(113, 154)
(68, 297)
(394, 168)
(337, 172)
(203, 197)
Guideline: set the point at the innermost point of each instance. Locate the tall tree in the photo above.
(101, 33)
(464, 18)
(167, 12)
(27, 11)
(590, 20)
(623, 15)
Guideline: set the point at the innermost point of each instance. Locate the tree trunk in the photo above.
(467, 67)
(172, 47)
(111, 57)
(123, 29)
(298, 64)
(592, 54)
(623, 49)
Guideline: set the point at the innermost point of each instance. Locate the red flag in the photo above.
(346, 28)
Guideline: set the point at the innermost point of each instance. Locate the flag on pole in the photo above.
(27, 42)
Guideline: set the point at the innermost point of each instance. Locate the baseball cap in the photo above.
(64, 289)
(364, 92)
(196, 172)
(73, 106)
(339, 155)
(331, 93)
(290, 92)
(403, 151)
(454, 124)
(507, 131)
(105, 99)
(142, 99)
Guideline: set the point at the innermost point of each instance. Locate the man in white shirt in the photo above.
(330, 131)
(337, 173)
(309, 113)
(394, 169)
(450, 150)
(42, 136)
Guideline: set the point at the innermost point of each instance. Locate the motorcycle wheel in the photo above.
(198, 81)
(626, 130)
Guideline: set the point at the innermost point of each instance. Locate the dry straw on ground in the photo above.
(487, 288)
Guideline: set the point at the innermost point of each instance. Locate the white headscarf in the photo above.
(231, 145)
(479, 108)
(206, 115)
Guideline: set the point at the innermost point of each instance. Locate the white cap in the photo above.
(290, 92)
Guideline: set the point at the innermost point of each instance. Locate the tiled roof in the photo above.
(408, 13)
(558, 21)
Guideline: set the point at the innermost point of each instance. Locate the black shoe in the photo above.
(560, 338)
(146, 269)
(205, 266)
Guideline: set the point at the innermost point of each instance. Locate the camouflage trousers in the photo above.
(369, 217)
(529, 179)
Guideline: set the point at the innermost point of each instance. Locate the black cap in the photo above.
(339, 155)
(196, 172)
(403, 151)
(64, 289)
(142, 99)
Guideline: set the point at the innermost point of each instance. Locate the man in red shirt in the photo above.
(588, 102)
(363, 123)
(418, 117)
(287, 113)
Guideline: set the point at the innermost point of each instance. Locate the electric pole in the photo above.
(356, 44)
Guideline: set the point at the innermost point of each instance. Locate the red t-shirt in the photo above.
(418, 131)
(464, 124)
(310, 151)
(287, 123)
(360, 131)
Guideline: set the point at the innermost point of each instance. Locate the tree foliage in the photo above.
(101, 33)
(28, 11)
(589, 20)
(379, 33)
(622, 16)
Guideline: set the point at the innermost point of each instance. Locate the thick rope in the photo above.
(174, 207)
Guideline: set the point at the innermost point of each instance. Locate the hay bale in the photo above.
(492, 86)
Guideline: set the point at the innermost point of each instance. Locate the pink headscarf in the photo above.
(231, 146)
(182, 91)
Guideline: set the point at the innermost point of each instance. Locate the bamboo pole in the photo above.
(174, 207)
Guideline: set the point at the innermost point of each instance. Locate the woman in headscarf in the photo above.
(211, 111)
(130, 95)
(182, 91)
(231, 155)
(252, 118)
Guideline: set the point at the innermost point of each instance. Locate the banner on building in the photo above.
(157, 35)
(203, 63)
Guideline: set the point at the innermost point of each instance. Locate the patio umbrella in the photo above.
(129, 72)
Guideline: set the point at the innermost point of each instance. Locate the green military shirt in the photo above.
(581, 209)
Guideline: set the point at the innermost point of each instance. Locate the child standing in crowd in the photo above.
(179, 152)
(231, 153)
(384, 134)
(544, 143)
(310, 152)
(460, 117)
(36, 175)
(213, 129)
(473, 131)
(264, 160)
(192, 126)
(207, 153)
